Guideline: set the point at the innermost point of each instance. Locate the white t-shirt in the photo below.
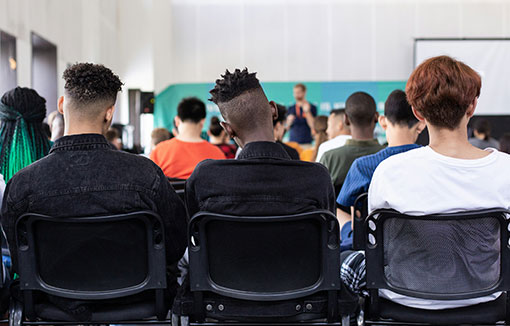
(336, 142)
(422, 181)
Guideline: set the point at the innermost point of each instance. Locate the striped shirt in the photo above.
(360, 174)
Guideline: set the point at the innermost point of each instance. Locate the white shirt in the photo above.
(336, 142)
(422, 181)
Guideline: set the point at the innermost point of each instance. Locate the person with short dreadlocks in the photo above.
(22, 139)
(83, 176)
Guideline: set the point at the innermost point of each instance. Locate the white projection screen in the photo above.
(489, 57)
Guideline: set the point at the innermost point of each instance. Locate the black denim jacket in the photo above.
(262, 181)
(83, 176)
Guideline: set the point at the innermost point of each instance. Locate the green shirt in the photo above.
(339, 160)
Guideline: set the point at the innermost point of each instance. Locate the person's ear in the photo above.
(109, 115)
(60, 105)
(383, 122)
(420, 126)
(228, 129)
(274, 110)
(471, 108)
(417, 114)
(177, 122)
(376, 117)
(346, 120)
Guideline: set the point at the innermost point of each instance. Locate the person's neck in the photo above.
(215, 140)
(190, 132)
(83, 128)
(362, 133)
(401, 137)
(454, 143)
(257, 137)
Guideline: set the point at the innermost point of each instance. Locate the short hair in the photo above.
(112, 134)
(233, 84)
(160, 134)
(337, 112)
(215, 127)
(398, 111)
(360, 108)
(191, 109)
(282, 114)
(441, 89)
(300, 85)
(87, 84)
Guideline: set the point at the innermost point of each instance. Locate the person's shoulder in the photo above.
(215, 151)
(336, 152)
(403, 159)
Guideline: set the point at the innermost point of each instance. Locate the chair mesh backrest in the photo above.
(91, 256)
(263, 256)
(442, 256)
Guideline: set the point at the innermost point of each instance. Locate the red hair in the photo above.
(441, 90)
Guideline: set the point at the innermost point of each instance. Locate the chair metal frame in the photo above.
(374, 252)
(30, 279)
(329, 280)
(358, 226)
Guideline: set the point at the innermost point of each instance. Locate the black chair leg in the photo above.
(161, 311)
(332, 306)
(198, 307)
(15, 313)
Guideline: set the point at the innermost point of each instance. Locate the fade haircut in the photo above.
(91, 85)
(360, 108)
(337, 112)
(441, 90)
(191, 109)
(241, 100)
(398, 111)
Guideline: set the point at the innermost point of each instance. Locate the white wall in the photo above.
(318, 40)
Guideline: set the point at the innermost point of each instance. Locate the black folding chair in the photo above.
(438, 257)
(266, 269)
(358, 227)
(115, 265)
(179, 186)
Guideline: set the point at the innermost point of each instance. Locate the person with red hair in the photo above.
(449, 175)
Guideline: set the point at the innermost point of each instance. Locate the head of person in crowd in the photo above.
(88, 103)
(361, 115)
(299, 92)
(336, 124)
(443, 93)
(279, 123)
(399, 122)
(504, 143)
(113, 137)
(320, 125)
(56, 123)
(482, 129)
(22, 138)
(216, 133)
(245, 108)
(190, 119)
(159, 135)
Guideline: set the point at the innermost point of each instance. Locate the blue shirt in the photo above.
(300, 131)
(360, 174)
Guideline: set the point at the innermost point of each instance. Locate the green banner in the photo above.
(325, 95)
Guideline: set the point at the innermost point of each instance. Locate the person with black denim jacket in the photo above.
(83, 176)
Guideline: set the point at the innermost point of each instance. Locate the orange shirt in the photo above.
(178, 158)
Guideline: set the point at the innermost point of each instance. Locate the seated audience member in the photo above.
(218, 137)
(320, 125)
(450, 175)
(83, 176)
(56, 123)
(338, 132)
(361, 116)
(113, 137)
(159, 135)
(178, 156)
(263, 180)
(22, 138)
(402, 129)
(279, 132)
(482, 135)
(504, 143)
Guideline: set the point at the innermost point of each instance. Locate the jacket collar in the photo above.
(263, 149)
(80, 143)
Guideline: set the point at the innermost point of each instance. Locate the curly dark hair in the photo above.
(87, 83)
(233, 84)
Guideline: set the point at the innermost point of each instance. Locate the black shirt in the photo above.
(83, 176)
(263, 180)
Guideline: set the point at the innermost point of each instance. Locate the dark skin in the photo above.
(243, 136)
(362, 132)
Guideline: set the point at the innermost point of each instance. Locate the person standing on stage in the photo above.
(301, 117)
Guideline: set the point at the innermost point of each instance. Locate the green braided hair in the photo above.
(22, 139)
